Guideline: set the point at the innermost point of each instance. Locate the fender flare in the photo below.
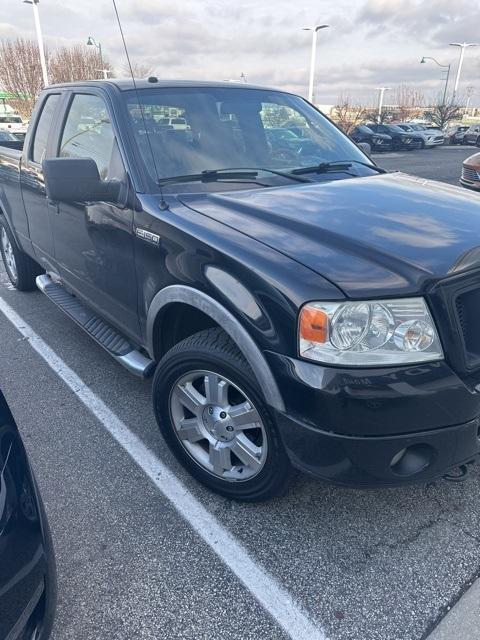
(228, 322)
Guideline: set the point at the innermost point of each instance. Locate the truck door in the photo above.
(94, 241)
(37, 207)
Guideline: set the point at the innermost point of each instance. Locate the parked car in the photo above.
(174, 123)
(13, 124)
(472, 135)
(430, 137)
(377, 141)
(401, 140)
(471, 172)
(454, 133)
(312, 311)
(27, 564)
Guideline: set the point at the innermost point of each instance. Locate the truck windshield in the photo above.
(196, 129)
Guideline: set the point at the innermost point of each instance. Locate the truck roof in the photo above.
(126, 84)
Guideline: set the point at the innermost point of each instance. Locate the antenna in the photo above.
(163, 204)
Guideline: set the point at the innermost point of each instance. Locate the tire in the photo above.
(21, 269)
(478, 142)
(423, 145)
(211, 358)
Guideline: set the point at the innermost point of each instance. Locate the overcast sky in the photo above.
(370, 42)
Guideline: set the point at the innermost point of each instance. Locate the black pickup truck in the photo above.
(297, 306)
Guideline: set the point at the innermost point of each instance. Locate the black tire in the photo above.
(422, 144)
(26, 268)
(213, 350)
(478, 141)
(49, 604)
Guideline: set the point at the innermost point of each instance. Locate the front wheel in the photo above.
(21, 269)
(212, 415)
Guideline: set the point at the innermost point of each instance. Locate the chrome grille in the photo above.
(470, 174)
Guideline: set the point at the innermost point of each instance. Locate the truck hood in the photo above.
(389, 234)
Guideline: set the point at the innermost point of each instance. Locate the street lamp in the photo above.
(380, 101)
(444, 66)
(91, 42)
(313, 55)
(463, 46)
(41, 50)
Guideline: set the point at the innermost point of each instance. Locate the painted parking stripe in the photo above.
(276, 601)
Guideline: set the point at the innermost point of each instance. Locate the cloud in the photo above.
(369, 43)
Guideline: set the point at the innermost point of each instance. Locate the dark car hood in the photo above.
(389, 234)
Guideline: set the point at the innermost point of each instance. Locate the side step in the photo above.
(103, 333)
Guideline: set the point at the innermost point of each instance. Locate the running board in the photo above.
(109, 338)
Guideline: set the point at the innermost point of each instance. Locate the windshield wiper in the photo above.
(240, 174)
(283, 174)
(335, 165)
(210, 176)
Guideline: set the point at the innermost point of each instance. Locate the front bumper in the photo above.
(376, 427)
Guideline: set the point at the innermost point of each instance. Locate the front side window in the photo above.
(191, 130)
(88, 132)
(43, 127)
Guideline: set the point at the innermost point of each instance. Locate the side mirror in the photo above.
(77, 180)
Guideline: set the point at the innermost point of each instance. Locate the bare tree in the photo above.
(348, 115)
(139, 70)
(409, 102)
(441, 114)
(69, 64)
(21, 73)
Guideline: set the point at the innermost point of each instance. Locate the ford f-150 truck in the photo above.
(297, 307)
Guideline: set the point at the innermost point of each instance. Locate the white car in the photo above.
(431, 137)
(14, 124)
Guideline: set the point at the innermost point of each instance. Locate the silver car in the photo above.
(431, 137)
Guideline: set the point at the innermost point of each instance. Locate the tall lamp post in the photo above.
(380, 101)
(314, 31)
(463, 46)
(41, 50)
(444, 66)
(91, 42)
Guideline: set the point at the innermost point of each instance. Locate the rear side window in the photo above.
(43, 127)
(88, 132)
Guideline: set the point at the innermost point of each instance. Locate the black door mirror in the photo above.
(77, 180)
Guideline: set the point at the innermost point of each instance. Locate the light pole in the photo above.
(470, 92)
(314, 31)
(380, 101)
(91, 42)
(463, 46)
(444, 66)
(41, 50)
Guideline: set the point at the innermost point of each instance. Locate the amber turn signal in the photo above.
(313, 324)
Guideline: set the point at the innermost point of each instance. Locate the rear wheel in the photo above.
(20, 268)
(212, 415)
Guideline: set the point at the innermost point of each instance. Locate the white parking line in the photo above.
(270, 594)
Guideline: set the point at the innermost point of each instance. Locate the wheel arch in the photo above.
(220, 316)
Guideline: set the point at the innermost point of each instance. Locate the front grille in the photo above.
(439, 139)
(470, 174)
(467, 306)
(455, 306)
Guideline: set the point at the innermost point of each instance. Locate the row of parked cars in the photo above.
(406, 136)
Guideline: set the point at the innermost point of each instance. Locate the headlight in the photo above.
(375, 332)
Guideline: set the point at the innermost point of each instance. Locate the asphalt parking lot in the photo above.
(350, 565)
(438, 163)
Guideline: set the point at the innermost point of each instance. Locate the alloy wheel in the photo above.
(7, 251)
(218, 425)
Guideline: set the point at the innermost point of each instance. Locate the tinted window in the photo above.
(88, 132)
(43, 127)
